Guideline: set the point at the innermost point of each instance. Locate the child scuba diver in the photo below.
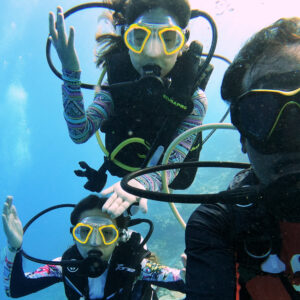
(106, 261)
(152, 94)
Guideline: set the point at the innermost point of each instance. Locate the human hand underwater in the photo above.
(120, 200)
(12, 224)
(64, 46)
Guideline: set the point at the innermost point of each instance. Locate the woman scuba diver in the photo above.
(107, 261)
(152, 93)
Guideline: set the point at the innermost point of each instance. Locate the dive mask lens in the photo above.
(268, 118)
(136, 37)
(172, 39)
(83, 231)
(256, 113)
(109, 234)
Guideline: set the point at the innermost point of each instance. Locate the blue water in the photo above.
(37, 157)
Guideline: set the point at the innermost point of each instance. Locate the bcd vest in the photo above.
(284, 285)
(283, 239)
(137, 113)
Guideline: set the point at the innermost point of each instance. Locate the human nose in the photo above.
(153, 47)
(95, 239)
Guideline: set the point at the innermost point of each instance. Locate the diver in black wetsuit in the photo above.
(111, 260)
(262, 88)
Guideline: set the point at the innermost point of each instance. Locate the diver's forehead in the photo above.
(274, 80)
(275, 70)
(92, 213)
(96, 220)
(159, 16)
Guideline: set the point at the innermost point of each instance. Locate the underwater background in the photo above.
(37, 157)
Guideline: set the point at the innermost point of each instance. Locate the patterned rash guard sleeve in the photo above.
(83, 124)
(162, 276)
(19, 284)
(153, 181)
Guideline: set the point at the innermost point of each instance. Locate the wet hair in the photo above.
(178, 8)
(266, 44)
(93, 201)
(127, 11)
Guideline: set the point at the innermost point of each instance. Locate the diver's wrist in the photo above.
(13, 249)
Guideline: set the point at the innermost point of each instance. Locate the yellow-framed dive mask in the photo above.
(89, 226)
(139, 34)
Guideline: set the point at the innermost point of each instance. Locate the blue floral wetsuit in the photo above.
(83, 124)
(18, 284)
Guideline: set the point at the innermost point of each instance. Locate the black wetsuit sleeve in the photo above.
(211, 235)
(24, 284)
(210, 269)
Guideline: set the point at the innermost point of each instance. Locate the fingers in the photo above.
(109, 202)
(52, 30)
(114, 207)
(120, 200)
(14, 211)
(79, 173)
(84, 165)
(7, 209)
(7, 205)
(60, 25)
(108, 190)
(71, 37)
(143, 205)
(115, 204)
(57, 30)
(117, 207)
(124, 206)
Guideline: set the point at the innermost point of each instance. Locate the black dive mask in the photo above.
(92, 266)
(269, 119)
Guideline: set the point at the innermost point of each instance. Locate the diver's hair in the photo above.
(127, 11)
(178, 8)
(269, 40)
(93, 201)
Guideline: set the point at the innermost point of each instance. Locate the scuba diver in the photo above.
(152, 93)
(114, 263)
(256, 245)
